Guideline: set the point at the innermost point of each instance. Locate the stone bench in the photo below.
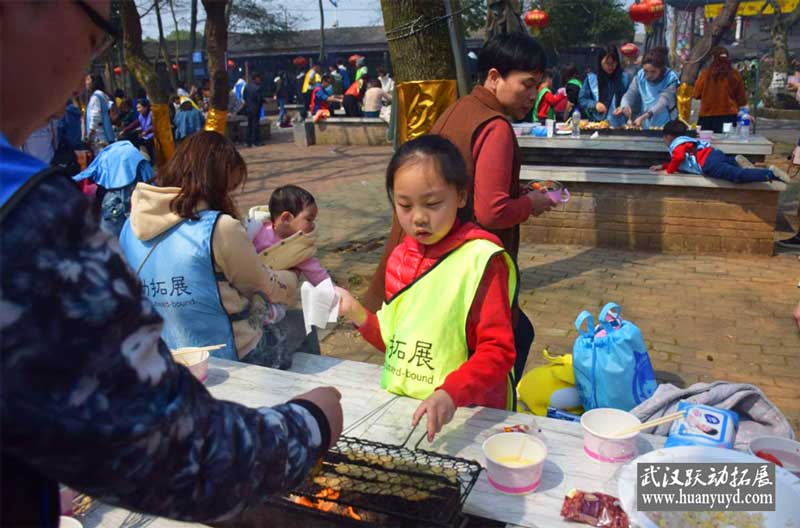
(236, 128)
(638, 210)
(351, 131)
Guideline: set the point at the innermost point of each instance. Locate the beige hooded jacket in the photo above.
(234, 257)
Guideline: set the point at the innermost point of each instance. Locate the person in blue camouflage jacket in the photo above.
(89, 394)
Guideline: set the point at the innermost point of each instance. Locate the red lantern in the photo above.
(118, 70)
(231, 64)
(639, 12)
(536, 19)
(656, 9)
(299, 61)
(174, 67)
(629, 50)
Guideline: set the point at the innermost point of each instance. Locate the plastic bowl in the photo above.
(506, 472)
(522, 129)
(69, 522)
(195, 360)
(600, 442)
(784, 449)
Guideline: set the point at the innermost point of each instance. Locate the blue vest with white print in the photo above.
(650, 93)
(178, 279)
(614, 121)
(689, 163)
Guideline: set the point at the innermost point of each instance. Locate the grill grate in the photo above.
(415, 485)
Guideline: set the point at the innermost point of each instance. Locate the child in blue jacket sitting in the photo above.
(693, 156)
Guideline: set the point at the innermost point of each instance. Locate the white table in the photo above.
(567, 466)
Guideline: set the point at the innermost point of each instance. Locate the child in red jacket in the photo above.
(546, 102)
(445, 323)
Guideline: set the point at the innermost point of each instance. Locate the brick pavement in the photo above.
(703, 317)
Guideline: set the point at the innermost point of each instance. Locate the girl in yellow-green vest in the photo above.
(445, 324)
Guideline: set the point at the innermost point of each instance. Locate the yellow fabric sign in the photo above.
(162, 134)
(753, 8)
(685, 101)
(419, 104)
(216, 120)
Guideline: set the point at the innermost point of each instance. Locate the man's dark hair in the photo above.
(289, 198)
(506, 52)
(382, 71)
(675, 128)
(326, 78)
(339, 62)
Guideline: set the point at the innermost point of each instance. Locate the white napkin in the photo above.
(595, 135)
(320, 304)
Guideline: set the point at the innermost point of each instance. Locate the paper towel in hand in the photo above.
(320, 304)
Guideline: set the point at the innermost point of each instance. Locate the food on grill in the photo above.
(362, 486)
(594, 509)
(388, 462)
(594, 125)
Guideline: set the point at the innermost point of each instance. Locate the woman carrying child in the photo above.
(197, 265)
(445, 323)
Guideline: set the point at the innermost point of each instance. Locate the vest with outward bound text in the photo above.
(421, 351)
(689, 163)
(178, 278)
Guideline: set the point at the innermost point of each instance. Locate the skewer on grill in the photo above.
(348, 484)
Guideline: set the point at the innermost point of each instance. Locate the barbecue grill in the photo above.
(389, 485)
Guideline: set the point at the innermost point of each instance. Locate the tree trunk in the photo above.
(146, 75)
(177, 40)
(321, 34)
(426, 54)
(216, 46)
(164, 51)
(192, 44)
(711, 38)
(779, 33)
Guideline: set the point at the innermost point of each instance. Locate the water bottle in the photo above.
(576, 124)
(744, 124)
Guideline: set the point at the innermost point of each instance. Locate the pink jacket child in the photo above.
(289, 234)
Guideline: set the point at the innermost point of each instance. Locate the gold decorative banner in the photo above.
(419, 104)
(753, 8)
(162, 134)
(216, 120)
(685, 101)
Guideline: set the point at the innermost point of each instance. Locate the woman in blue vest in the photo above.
(601, 92)
(653, 90)
(196, 263)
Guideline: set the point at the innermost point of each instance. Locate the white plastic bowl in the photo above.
(506, 472)
(600, 427)
(69, 522)
(195, 360)
(784, 449)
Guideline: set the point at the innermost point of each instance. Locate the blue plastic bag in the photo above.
(612, 368)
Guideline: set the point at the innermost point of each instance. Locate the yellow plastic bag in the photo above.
(550, 385)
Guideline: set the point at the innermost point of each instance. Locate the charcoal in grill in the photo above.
(421, 486)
